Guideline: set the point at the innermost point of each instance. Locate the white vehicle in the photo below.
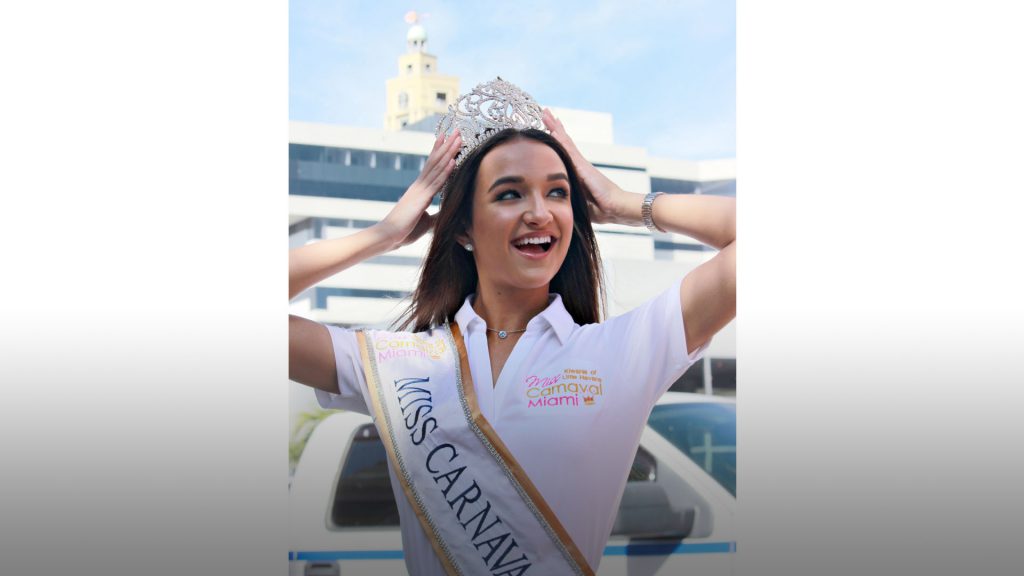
(677, 514)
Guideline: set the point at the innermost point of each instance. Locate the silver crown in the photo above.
(486, 110)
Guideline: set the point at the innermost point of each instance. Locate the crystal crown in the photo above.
(486, 110)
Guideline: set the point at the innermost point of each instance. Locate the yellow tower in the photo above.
(418, 91)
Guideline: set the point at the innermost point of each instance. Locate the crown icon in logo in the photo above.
(588, 400)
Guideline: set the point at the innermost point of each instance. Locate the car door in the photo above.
(673, 519)
(345, 520)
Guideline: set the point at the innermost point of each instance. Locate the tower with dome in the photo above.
(419, 90)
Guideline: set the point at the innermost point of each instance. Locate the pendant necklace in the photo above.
(502, 334)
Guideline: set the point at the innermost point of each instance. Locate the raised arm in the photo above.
(406, 222)
(708, 293)
(310, 354)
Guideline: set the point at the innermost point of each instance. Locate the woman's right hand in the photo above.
(409, 220)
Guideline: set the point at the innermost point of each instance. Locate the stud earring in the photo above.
(468, 247)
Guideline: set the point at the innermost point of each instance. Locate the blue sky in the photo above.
(666, 70)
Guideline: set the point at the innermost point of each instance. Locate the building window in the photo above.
(333, 156)
(672, 186)
(723, 376)
(428, 67)
(306, 153)
(408, 69)
(385, 160)
(410, 162)
(718, 188)
(358, 158)
(403, 100)
(692, 380)
(442, 98)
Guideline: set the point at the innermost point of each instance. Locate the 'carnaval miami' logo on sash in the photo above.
(464, 486)
(402, 345)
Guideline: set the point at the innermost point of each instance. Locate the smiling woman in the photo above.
(486, 467)
(514, 189)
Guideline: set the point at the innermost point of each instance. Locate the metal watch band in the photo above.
(647, 211)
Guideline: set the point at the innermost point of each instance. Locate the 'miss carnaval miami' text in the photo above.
(457, 484)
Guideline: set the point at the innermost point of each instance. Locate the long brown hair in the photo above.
(449, 272)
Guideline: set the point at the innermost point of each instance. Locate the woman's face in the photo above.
(522, 216)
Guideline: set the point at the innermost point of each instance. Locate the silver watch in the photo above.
(647, 211)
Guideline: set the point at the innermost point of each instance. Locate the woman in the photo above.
(511, 414)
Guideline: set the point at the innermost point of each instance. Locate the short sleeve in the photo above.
(351, 379)
(653, 342)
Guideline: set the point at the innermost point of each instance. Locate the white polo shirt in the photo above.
(570, 404)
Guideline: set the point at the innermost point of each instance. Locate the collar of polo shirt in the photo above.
(555, 316)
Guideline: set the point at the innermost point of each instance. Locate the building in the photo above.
(342, 179)
(420, 90)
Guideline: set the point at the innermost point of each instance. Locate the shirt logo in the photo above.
(572, 387)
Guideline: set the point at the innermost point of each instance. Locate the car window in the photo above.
(363, 494)
(644, 468)
(706, 432)
(658, 503)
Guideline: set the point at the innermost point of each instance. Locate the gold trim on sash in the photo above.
(510, 462)
(373, 384)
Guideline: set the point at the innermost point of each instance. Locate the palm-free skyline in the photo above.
(665, 70)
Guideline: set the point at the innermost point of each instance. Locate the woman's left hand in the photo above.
(608, 197)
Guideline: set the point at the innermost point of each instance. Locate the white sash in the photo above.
(480, 511)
